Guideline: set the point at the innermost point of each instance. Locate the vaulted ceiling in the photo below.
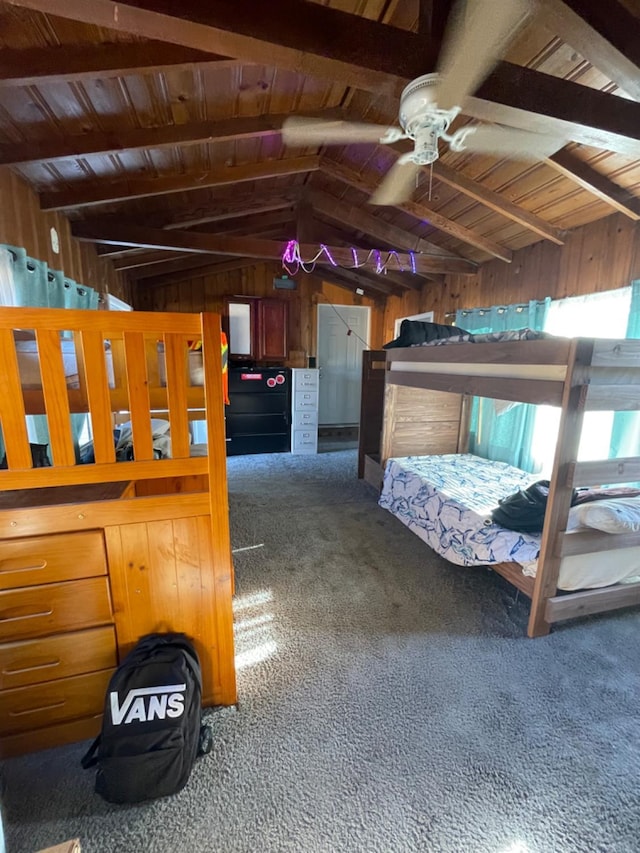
(156, 127)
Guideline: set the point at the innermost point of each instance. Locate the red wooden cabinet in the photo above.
(257, 329)
(272, 319)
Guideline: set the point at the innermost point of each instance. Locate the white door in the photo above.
(343, 332)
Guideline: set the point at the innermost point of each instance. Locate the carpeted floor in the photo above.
(389, 702)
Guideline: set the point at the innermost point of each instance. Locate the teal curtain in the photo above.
(32, 283)
(625, 435)
(499, 432)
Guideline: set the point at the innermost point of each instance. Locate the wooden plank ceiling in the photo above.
(158, 132)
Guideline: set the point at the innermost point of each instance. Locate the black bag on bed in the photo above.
(151, 729)
(524, 510)
(419, 332)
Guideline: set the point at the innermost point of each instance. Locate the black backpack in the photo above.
(152, 729)
(524, 510)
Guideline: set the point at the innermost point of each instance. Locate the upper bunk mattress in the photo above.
(447, 501)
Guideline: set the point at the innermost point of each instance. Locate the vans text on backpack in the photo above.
(152, 729)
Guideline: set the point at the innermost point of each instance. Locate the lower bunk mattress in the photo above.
(447, 502)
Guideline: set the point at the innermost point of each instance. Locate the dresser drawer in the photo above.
(46, 559)
(53, 609)
(42, 705)
(60, 656)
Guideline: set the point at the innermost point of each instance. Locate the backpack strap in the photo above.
(90, 759)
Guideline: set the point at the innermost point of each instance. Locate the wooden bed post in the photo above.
(219, 505)
(561, 489)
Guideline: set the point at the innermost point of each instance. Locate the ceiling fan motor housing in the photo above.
(421, 119)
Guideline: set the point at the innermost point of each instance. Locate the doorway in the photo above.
(343, 333)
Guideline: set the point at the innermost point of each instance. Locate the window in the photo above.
(598, 315)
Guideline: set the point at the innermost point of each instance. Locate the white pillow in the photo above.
(616, 515)
(158, 427)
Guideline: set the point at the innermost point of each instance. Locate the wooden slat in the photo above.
(54, 386)
(612, 471)
(91, 515)
(12, 414)
(616, 353)
(591, 601)
(175, 350)
(34, 400)
(101, 473)
(114, 322)
(593, 541)
(507, 352)
(92, 346)
(513, 573)
(621, 398)
(543, 392)
(138, 388)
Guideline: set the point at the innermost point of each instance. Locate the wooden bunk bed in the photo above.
(92, 556)
(578, 375)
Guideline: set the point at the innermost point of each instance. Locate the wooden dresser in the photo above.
(81, 579)
(57, 638)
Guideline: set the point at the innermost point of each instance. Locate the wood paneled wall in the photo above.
(206, 293)
(22, 223)
(601, 256)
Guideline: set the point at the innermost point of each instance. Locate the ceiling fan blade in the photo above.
(309, 131)
(511, 143)
(478, 35)
(397, 185)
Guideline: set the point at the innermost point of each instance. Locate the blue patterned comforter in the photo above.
(447, 501)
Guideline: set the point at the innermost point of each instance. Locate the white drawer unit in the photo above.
(305, 380)
(304, 410)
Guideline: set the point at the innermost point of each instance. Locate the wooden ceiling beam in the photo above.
(390, 235)
(530, 100)
(606, 34)
(432, 18)
(71, 62)
(367, 184)
(130, 139)
(190, 241)
(203, 268)
(324, 42)
(102, 193)
(147, 258)
(242, 205)
(598, 185)
(494, 201)
(142, 263)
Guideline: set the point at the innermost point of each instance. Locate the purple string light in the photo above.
(293, 262)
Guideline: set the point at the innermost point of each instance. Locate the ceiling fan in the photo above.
(478, 35)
